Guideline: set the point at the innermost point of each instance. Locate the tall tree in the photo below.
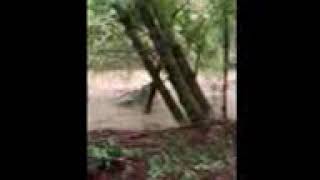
(130, 25)
(180, 31)
(165, 30)
(177, 68)
(149, 16)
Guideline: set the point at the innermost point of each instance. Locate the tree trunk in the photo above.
(150, 98)
(196, 66)
(226, 65)
(190, 77)
(152, 94)
(176, 77)
(138, 45)
(181, 60)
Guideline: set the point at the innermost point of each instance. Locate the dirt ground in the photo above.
(105, 88)
(184, 150)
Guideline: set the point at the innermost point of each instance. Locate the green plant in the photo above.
(105, 153)
(195, 23)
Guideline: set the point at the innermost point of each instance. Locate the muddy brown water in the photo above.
(105, 88)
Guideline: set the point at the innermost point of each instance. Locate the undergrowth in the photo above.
(177, 159)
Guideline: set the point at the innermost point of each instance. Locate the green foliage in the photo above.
(184, 161)
(106, 36)
(197, 25)
(106, 152)
(176, 157)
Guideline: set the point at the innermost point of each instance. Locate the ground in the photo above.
(104, 90)
(153, 146)
(180, 153)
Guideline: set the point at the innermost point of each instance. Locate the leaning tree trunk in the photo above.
(190, 78)
(172, 58)
(152, 94)
(126, 20)
(181, 59)
(176, 77)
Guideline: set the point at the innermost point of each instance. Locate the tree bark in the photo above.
(176, 77)
(138, 45)
(190, 77)
(150, 98)
(153, 90)
(178, 54)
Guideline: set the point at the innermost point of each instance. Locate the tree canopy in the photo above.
(197, 24)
